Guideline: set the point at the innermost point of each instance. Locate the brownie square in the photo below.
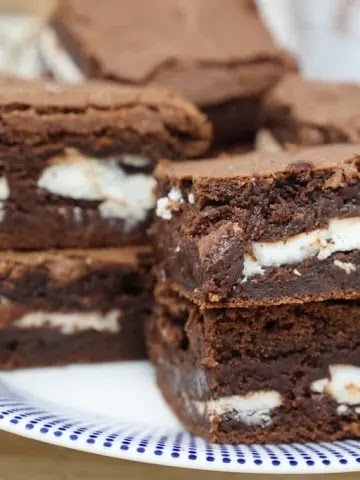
(69, 306)
(261, 228)
(289, 373)
(76, 161)
(222, 59)
(305, 112)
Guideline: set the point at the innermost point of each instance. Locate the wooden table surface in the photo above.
(23, 459)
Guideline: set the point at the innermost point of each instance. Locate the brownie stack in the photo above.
(221, 59)
(255, 335)
(76, 196)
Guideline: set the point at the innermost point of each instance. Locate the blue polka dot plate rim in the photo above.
(116, 410)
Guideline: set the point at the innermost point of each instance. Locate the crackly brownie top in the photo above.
(35, 112)
(316, 103)
(170, 32)
(344, 158)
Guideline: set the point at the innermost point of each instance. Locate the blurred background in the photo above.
(324, 35)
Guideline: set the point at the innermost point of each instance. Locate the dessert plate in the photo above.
(115, 410)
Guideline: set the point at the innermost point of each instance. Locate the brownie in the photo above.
(222, 59)
(68, 306)
(76, 161)
(300, 111)
(289, 373)
(261, 228)
(231, 149)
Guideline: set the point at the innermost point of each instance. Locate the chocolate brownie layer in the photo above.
(73, 306)
(76, 161)
(308, 112)
(269, 374)
(233, 149)
(221, 59)
(262, 228)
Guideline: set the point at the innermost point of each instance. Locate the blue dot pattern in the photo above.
(174, 447)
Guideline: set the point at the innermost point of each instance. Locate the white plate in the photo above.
(116, 410)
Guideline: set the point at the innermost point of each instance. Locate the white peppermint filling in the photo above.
(57, 60)
(348, 267)
(4, 189)
(71, 323)
(342, 385)
(122, 195)
(166, 205)
(191, 198)
(343, 410)
(137, 161)
(254, 408)
(4, 195)
(341, 235)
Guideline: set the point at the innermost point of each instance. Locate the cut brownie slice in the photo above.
(262, 228)
(269, 374)
(69, 306)
(308, 112)
(222, 59)
(76, 161)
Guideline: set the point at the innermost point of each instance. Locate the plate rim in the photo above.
(26, 415)
(226, 468)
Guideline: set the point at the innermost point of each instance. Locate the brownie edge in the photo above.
(303, 112)
(261, 228)
(70, 306)
(76, 161)
(262, 375)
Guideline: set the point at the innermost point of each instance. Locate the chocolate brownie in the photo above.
(222, 59)
(68, 306)
(231, 149)
(76, 161)
(308, 112)
(269, 374)
(261, 228)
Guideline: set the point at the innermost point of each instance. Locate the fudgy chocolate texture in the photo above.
(299, 111)
(221, 59)
(312, 280)
(203, 355)
(36, 219)
(228, 203)
(40, 122)
(38, 347)
(68, 282)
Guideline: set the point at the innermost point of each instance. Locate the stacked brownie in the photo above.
(222, 59)
(300, 112)
(255, 335)
(76, 197)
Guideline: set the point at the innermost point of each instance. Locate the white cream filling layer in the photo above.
(341, 235)
(4, 195)
(57, 60)
(166, 205)
(122, 195)
(70, 323)
(254, 408)
(342, 385)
